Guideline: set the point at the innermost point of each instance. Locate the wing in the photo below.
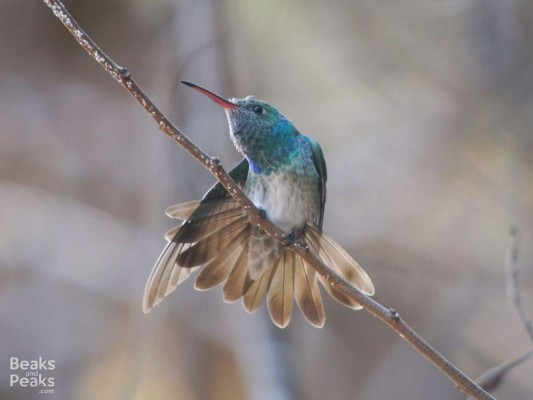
(238, 173)
(320, 165)
(214, 222)
(184, 211)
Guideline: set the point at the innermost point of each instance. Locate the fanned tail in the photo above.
(290, 277)
(217, 237)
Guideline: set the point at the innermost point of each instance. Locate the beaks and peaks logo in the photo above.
(32, 374)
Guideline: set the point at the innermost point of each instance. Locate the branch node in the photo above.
(394, 315)
(124, 73)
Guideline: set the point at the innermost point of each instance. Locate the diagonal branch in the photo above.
(388, 316)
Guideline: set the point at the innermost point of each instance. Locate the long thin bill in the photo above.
(222, 102)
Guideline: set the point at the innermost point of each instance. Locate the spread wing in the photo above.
(213, 229)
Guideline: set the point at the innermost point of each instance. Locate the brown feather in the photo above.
(218, 269)
(307, 293)
(183, 210)
(164, 270)
(255, 291)
(264, 252)
(233, 288)
(280, 292)
(171, 233)
(208, 208)
(208, 217)
(329, 259)
(340, 297)
(208, 248)
(195, 230)
(344, 263)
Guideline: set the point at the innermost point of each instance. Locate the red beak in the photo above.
(222, 102)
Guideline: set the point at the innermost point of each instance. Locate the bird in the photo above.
(283, 173)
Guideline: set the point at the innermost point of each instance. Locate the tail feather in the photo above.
(315, 248)
(335, 257)
(280, 292)
(255, 292)
(307, 293)
(341, 260)
(264, 252)
(340, 297)
(233, 288)
(259, 277)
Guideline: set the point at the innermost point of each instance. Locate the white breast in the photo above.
(283, 200)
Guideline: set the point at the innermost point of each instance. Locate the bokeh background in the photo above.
(424, 110)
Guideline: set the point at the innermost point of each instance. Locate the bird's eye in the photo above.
(258, 110)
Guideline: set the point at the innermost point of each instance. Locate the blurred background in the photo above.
(424, 111)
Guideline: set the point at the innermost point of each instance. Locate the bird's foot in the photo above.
(262, 213)
(290, 237)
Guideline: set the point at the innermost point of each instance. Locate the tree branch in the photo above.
(388, 316)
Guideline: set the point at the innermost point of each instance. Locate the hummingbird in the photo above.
(283, 173)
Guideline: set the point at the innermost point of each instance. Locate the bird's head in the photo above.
(252, 122)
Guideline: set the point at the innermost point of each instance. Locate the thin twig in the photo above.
(491, 378)
(511, 267)
(389, 316)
